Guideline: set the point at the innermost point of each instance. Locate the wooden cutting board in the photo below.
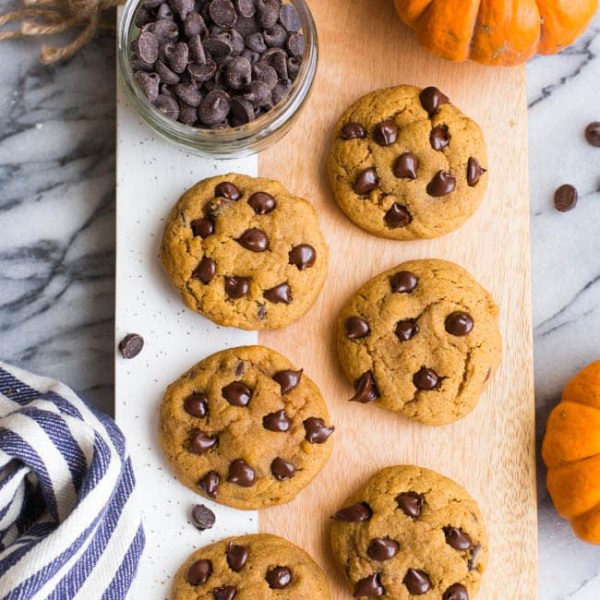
(491, 452)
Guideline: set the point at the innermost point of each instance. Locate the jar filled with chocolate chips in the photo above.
(221, 78)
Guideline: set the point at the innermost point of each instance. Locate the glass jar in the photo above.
(224, 143)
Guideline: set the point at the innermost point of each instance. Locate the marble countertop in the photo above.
(57, 238)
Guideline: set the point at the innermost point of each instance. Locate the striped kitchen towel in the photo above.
(70, 527)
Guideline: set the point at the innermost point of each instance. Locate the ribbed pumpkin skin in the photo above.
(496, 32)
(571, 451)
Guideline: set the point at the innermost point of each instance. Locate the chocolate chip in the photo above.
(228, 190)
(459, 323)
(252, 56)
(241, 473)
(302, 256)
(201, 442)
(456, 592)
(277, 421)
(294, 64)
(316, 430)
(203, 227)
(439, 138)
(237, 42)
(256, 42)
(403, 282)
(474, 172)
(288, 17)
(276, 36)
(431, 99)
(268, 12)
(382, 549)
(366, 181)
(188, 114)
(295, 45)
(145, 47)
(281, 90)
(194, 25)
(280, 294)
(165, 30)
(150, 83)
(246, 25)
(442, 184)
(356, 328)
(210, 484)
(238, 72)
(237, 393)
(196, 405)
(474, 557)
(168, 106)
(288, 379)
(182, 7)
(202, 517)
(131, 345)
(406, 329)
(355, 513)
(178, 56)
(259, 94)
(565, 198)
(188, 93)
(227, 592)
(353, 130)
(199, 572)
(426, 379)
(205, 271)
(222, 13)
(386, 133)
(406, 166)
(369, 586)
(397, 216)
(164, 12)
(410, 503)
(236, 287)
(254, 240)
(262, 203)
(237, 556)
(214, 108)
(417, 582)
(278, 578)
(457, 538)
(265, 73)
(202, 72)
(242, 112)
(592, 134)
(366, 389)
(282, 470)
(277, 58)
(143, 17)
(246, 8)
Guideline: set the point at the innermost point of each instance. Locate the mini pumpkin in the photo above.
(571, 451)
(496, 32)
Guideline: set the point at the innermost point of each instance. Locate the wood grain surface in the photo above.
(491, 452)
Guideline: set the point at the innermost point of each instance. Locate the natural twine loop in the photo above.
(49, 17)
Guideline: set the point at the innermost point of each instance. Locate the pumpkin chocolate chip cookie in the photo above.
(250, 567)
(245, 428)
(410, 532)
(244, 252)
(407, 164)
(421, 339)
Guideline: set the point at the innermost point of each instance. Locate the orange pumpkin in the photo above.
(571, 451)
(496, 32)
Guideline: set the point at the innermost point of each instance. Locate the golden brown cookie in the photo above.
(250, 567)
(245, 428)
(411, 532)
(421, 339)
(244, 252)
(407, 164)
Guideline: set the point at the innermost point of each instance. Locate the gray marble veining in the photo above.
(57, 151)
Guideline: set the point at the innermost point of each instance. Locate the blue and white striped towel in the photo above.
(70, 527)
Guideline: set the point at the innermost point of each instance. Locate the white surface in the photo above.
(151, 175)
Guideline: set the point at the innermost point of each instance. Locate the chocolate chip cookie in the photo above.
(244, 252)
(421, 339)
(407, 164)
(245, 428)
(410, 532)
(251, 567)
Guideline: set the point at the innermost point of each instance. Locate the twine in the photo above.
(49, 17)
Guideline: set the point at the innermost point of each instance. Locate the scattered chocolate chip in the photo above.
(150, 84)
(459, 323)
(417, 582)
(288, 17)
(241, 473)
(397, 216)
(366, 389)
(203, 227)
(355, 513)
(592, 134)
(406, 166)
(410, 503)
(280, 294)
(278, 578)
(439, 138)
(565, 198)
(202, 517)
(302, 256)
(442, 184)
(316, 430)
(457, 538)
(474, 172)
(456, 592)
(352, 130)
(403, 282)
(282, 470)
(254, 240)
(210, 484)
(205, 271)
(199, 572)
(474, 558)
(431, 99)
(386, 133)
(236, 287)
(426, 379)
(196, 405)
(131, 345)
(201, 442)
(227, 592)
(262, 203)
(383, 549)
(366, 181)
(237, 393)
(237, 556)
(356, 328)
(288, 379)
(277, 421)
(406, 329)
(369, 586)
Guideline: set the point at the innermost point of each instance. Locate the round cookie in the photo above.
(421, 339)
(250, 567)
(411, 532)
(245, 428)
(407, 164)
(244, 252)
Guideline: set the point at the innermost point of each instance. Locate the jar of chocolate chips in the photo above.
(221, 78)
